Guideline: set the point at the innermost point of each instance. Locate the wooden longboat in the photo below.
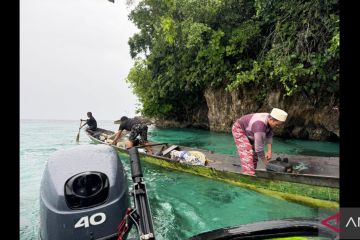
(317, 186)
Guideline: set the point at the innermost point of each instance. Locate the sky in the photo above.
(74, 58)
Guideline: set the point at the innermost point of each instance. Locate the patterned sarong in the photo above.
(248, 157)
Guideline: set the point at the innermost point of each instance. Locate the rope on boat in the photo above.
(123, 227)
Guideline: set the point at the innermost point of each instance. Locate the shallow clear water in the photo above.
(182, 204)
(224, 142)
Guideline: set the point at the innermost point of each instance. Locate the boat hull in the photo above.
(309, 189)
(279, 229)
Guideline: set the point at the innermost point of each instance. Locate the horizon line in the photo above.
(61, 119)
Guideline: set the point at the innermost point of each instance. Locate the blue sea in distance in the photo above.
(182, 204)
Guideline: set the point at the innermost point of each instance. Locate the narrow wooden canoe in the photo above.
(317, 186)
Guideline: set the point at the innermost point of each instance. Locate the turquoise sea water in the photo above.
(182, 204)
(224, 142)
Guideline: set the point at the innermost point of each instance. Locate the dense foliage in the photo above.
(186, 46)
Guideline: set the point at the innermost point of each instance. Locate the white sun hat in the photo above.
(279, 114)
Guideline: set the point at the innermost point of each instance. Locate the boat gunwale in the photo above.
(314, 196)
(261, 171)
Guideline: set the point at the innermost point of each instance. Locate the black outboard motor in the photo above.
(83, 194)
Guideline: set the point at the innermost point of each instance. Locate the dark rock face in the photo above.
(306, 119)
(196, 118)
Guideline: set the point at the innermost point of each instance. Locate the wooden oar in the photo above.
(78, 135)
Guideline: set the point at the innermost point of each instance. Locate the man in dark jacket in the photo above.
(91, 122)
(136, 128)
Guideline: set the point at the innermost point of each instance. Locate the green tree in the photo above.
(189, 46)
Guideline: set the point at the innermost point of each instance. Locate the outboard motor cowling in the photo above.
(83, 194)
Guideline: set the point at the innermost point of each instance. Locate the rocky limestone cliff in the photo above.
(306, 120)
